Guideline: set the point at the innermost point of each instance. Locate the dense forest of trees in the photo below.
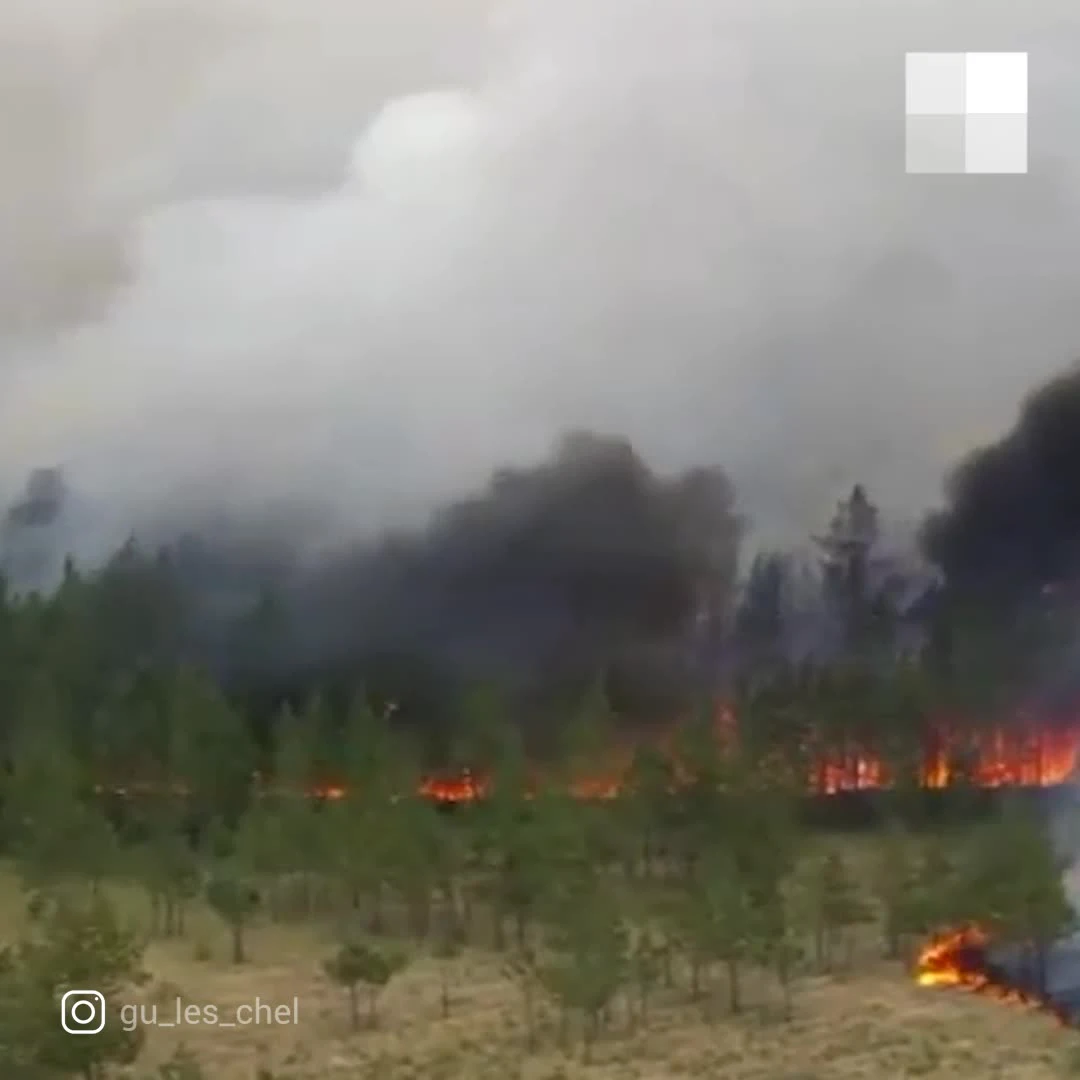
(698, 875)
(852, 656)
(149, 738)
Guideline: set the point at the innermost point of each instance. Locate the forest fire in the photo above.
(962, 958)
(468, 788)
(1022, 755)
(954, 958)
(1017, 755)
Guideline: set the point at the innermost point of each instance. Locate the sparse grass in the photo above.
(872, 1022)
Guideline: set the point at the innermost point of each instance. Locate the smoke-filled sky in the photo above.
(261, 250)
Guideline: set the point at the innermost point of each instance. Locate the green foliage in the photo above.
(780, 946)
(837, 905)
(236, 900)
(938, 896)
(166, 864)
(211, 754)
(56, 827)
(903, 703)
(1012, 881)
(73, 944)
(644, 811)
(591, 947)
(96, 695)
(356, 964)
(720, 920)
(894, 886)
(590, 734)
(485, 738)
(646, 967)
(259, 841)
(375, 764)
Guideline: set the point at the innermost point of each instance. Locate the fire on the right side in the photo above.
(958, 958)
(1022, 754)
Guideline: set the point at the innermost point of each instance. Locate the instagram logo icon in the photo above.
(82, 1012)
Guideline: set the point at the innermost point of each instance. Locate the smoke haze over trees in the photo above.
(400, 388)
(586, 561)
(302, 300)
(261, 254)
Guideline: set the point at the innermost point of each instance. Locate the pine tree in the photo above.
(1012, 882)
(719, 923)
(236, 900)
(894, 886)
(260, 846)
(360, 848)
(780, 943)
(413, 838)
(839, 907)
(292, 793)
(591, 953)
(940, 896)
(57, 827)
(71, 944)
(165, 862)
(646, 808)
(212, 756)
(357, 964)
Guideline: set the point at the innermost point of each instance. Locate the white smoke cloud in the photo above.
(366, 252)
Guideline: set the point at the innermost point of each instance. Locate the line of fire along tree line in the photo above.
(995, 759)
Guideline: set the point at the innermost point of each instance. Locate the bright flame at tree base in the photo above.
(954, 958)
(960, 958)
(1020, 754)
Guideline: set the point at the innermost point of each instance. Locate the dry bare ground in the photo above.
(872, 1023)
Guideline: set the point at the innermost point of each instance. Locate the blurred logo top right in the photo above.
(966, 112)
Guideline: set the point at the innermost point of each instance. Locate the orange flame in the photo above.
(958, 958)
(954, 958)
(1020, 753)
(1016, 755)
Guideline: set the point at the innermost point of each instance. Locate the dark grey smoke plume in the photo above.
(577, 564)
(29, 531)
(41, 503)
(1011, 526)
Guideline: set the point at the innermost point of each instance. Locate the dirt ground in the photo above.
(872, 1023)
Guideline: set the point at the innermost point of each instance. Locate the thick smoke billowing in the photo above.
(1011, 527)
(563, 569)
(359, 254)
